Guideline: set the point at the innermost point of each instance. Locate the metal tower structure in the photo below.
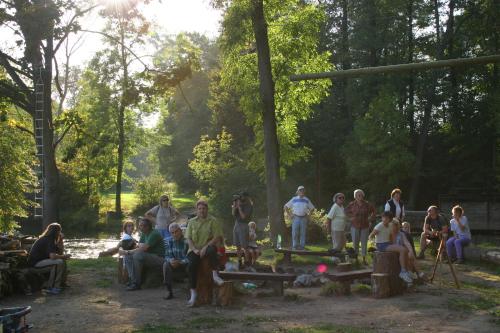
(39, 133)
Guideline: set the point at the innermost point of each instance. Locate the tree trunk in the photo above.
(410, 111)
(346, 61)
(388, 263)
(271, 145)
(121, 123)
(422, 137)
(51, 173)
(381, 285)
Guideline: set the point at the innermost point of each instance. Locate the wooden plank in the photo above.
(10, 252)
(257, 276)
(304, 252)
(352, 275)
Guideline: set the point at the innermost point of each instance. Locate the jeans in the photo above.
(139, 260)
(168, 272)
(357, 235)
(299, 226)
(457, 245)
(57, 268)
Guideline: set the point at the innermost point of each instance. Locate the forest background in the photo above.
(428, 133)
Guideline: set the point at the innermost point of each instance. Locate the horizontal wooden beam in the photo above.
(418, 66)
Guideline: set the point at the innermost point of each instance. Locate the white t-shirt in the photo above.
(300, 206)
(384, 233)
(338, 217)
(459, 232)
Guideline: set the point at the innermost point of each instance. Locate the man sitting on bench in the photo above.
(434, 226)
(202, 234)
(175, 257)
(148, 253)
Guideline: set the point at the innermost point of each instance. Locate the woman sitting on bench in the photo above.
(382, 234)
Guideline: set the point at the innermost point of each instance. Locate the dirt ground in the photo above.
(97, 303)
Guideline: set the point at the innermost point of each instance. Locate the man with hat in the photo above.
(300, 208)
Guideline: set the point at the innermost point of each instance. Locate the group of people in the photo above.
(164, 246)
(361, 214)
(179, 252)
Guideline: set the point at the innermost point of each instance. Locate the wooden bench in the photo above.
(287, 254)
(346, 278)
(275, 277)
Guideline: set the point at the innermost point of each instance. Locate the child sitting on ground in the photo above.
(253, 249)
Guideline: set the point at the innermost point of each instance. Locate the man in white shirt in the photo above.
(299, 208)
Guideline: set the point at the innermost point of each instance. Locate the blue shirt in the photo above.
(300, 206)
(465, 233)
(176, 249)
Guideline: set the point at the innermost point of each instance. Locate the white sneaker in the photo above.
(405, 277)
(218, 281)
(191, 303)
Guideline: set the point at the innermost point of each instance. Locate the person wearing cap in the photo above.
(300, 208)
(361, 213)
(336, 222)
(162, 215)
(242, 209)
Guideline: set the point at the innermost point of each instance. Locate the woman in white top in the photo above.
(336, 222)
(162, 215)
(461, 235)
(382, 235)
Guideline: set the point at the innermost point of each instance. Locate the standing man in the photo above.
(435, 227)
(202, 234)
(149, 252)
(162, 215)
(175, 257)
(242, 209)
(300, 209)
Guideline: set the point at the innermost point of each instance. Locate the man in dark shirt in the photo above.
(435, 227)
(175, 257)
(46, 255)
(242, 210)
(149, 252)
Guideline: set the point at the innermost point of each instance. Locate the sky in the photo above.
(171, 16)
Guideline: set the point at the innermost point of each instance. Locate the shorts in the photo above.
(240, 234)
(383, 246)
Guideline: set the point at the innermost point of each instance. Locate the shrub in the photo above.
(149, 189)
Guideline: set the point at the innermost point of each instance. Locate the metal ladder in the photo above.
(39, 125)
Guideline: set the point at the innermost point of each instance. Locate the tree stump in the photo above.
(380, 285)
(345, 286)
(344, 267)
(388, 263)
(205, 282)
(122, 272)
(225, 294)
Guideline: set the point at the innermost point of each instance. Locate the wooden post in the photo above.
(380, 285)
(205, 282)
(122, 272)
(388, 263)
(225, 294)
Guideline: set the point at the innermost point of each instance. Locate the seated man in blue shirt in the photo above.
(176, 249)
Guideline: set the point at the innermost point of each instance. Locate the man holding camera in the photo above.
(242, 209)
(435, 228)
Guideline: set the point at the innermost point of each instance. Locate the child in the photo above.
(382, 234)
(399, 237)
(253, 249)
(407, 232)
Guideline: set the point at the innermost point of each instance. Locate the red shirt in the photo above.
(360, 213)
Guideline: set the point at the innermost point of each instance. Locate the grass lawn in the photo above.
(130, 200)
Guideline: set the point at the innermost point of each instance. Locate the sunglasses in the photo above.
(165, 200)
(341, 198)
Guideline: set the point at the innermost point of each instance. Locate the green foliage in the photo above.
(16, 176)
(149, 189)
(331, 289)
(291, 52)
(381, 142)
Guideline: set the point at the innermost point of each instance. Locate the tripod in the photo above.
(439, 259)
